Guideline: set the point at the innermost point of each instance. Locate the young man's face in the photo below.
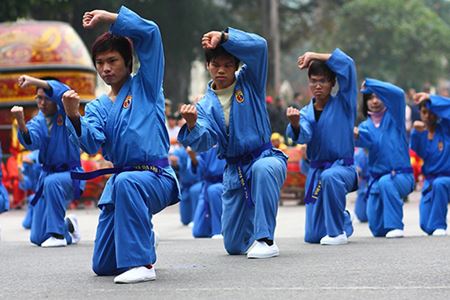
(222, 70)
(427, 116)
(111, 67)
(374, 104)
(320, 86)
(45, 105)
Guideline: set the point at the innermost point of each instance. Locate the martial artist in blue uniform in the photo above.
(47, 133)
(129, 125)
(384, 135)
(233, 115)
(208, 213)
(4, 196)
(189, 183)
(326, 126)
(430, 139)
(31, 171)
(362, 168)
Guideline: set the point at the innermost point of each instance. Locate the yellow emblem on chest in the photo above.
(440, 146)
(239, 96)
(127, 102)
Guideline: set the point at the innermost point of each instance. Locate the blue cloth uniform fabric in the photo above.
(131, 131)
(389, 161)
(31, 171)
(435, 153)
(190, 186)
(58, 156)
(248, 130)
(330, 141)
(208, 213)
(362, 168)
(4, 196)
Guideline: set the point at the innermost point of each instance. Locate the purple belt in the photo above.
(376, 176)
(311, 196)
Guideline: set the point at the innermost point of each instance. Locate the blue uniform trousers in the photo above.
(188, 203)
(433, 206)
(242, 223)
(385, 203)
(208, 214)
(50, 209)
(361, 203)
(125, 237)
(327, 215)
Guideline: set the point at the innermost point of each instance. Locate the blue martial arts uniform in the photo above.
(389, 162)
(209, 207)
(58, 157)
(436, 167)
(362, 167)
(4, 196)
(330, 150)
(31, 172)
(190, 186)
(131, 132)
(245, 145)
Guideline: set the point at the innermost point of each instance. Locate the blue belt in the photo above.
(58, 168)
(311, 197)
(376, 176)
(244, 160)
(431, 177)
(154, 166)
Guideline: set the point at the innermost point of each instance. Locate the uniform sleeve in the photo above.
(440, 106)
(148, 46)
(251, 49)
(306, 132)
(92, 133)
(344, 68)
(35, 138)
(392, 96)
(202, 137)
(57, 89)
(364, 139)
(418, 142)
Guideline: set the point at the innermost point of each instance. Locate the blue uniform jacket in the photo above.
(436, 152)
(387, 144)
(249, 126)
(131, 130)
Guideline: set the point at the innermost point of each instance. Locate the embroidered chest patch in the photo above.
(59, 120)
(127, 102)
(239, 96)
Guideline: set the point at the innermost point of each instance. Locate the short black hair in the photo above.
(219, 51)
(320, 68)
(364, 107)
(109, 42)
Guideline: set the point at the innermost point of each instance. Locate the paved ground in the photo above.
(415, 267)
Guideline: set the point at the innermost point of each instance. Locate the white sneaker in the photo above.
(217, 237)
(54, 242)
(439, 232)
(75, 235)
(337, 240)
(135, 275)
(262, 250)
(395, 233)
(190, 225)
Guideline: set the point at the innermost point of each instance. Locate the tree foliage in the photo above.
(404, 42)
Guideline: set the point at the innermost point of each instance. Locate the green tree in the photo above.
(404, 42)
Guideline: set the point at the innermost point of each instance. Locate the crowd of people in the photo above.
(218, 159)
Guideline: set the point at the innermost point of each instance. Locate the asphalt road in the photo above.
(414, 267)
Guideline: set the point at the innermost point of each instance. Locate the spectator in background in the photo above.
(297, 100)
(279, 122)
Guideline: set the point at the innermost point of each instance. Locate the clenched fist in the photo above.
(293, 116)
(17, 113)
(71, 102)
(92, 18)
(419, 97)
(189, 113)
